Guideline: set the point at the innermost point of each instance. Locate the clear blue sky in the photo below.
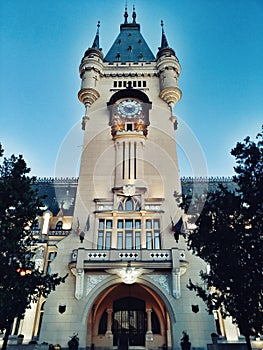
(218, 42)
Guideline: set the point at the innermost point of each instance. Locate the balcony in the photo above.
(157, 259)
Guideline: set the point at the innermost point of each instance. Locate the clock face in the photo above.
(129, 108)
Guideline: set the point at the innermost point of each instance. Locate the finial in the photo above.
(125, 14)
(98, 27)
(134, 15)
(164, 42)
(96, 42)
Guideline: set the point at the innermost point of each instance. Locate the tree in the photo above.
(228, 236)
(21, 283)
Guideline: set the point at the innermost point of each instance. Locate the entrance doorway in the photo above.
(129, 320)
(128, 311)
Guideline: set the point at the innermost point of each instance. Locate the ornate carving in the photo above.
(176, 285)
(162, 280)
(93, 281)
(79, 284)
(129, 190)
(88, 96)
(171, 95)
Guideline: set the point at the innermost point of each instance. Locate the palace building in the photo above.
(112, 230)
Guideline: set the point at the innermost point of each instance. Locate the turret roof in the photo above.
(129, 45)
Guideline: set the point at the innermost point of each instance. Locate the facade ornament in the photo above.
(162, 280)
(176, 286)
(79, 287)
(129, 274)
(84, 122)
(128, 190)
(93, 281)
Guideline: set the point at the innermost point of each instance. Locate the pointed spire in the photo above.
(134, 15)
(95, 48)
(126, 14)
(164, 42)
(164, 49)
(96, 42)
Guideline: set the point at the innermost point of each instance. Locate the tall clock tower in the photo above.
(127, 273)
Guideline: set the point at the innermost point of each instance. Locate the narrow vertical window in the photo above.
(149, 224)
(108, 240)
(119, 240)
(128, 240)
(157, 240)
(137, 240)
(129, 165)
(149, 240)
(108, 224)
(100, 240)
(120, 234)
(104, 234)
(134, 160)
(153, 234)
(128, 234)
(123, 160)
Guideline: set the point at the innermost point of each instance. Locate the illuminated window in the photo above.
(35, 225)
(51, 257)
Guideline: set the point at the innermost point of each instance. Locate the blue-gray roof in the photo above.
(61, 193)
(129, 46)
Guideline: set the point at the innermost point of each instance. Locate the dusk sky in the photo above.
(219, 44)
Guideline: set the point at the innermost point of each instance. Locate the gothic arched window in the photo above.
(59, 225)
(129, 205)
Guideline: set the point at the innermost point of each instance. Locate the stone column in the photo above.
(109, 322)
(149, 333)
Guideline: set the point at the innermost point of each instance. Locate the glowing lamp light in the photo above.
(23, 272)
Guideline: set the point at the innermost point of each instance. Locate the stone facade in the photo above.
(112, 230)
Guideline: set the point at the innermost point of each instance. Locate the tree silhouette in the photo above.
(21, 283)
(228, 236)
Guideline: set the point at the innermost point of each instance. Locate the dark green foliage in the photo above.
(20, 282)
(228, 236)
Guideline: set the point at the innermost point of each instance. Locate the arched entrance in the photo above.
(129, 321)
(133, 311)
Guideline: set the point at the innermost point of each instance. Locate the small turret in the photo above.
(169, 72)
(90, 69)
